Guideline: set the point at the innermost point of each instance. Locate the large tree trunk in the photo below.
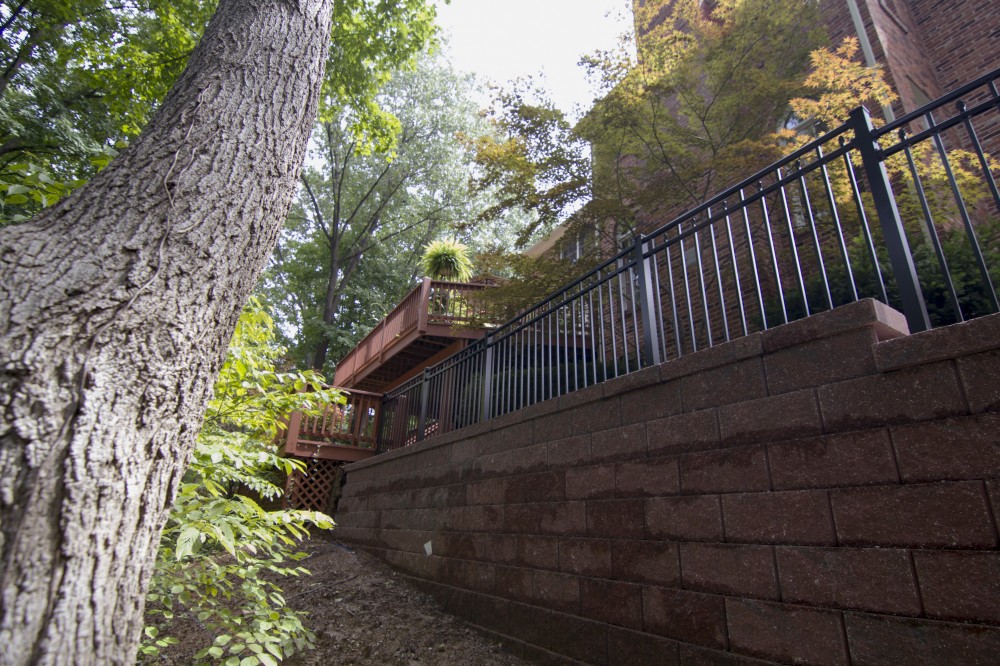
(116, 307)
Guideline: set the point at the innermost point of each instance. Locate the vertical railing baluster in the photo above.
(807, 205)
(718, 278)
(774, 254)
(647, 302)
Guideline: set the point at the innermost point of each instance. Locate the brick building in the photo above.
(927, 47)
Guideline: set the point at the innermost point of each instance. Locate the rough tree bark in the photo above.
(116, 307)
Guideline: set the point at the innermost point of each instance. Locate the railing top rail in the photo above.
(375, 329)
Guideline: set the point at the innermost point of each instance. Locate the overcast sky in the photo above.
(504, 39)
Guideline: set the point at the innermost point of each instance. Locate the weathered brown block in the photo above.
(785, 633)
(552, 427)
(611, 602)
(852, 459)
(515, 583)
(877, 639)
(921, 393)
(633, 648)
(619, 518)
(952, 449)
(456, 545)
(482, 518)
(491, 491)
(701, 360)
(538, 552)
(746, 571)
(474, 576)
(696, 518)
(458, 602)
(866, 313)
(872, 579)
(979, 374)
(771, 419)
(743, 380)
(596, 416)
(726, 471)
(501, 549)
(596, 482)
(647, 478)
(631, 382)
(586, 557)
(943, 515)
(683, 433)
(664, 399)
(579, 639)
(530, 623)
(519, 461)
(509, 437)
(791, 517)
(557, 591)
(690, 617)
(569, 452)
(492, 613)
(822, 361)
(619, 443)
(976, 335)
(558, 518)
(692, 655)
(960, 586)
(654, 562)
(543, 487)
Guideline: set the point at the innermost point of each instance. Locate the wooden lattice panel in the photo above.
(310, 489)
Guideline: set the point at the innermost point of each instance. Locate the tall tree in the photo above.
(353, 242)
(700, 104)
(116, 306)
(76, 79)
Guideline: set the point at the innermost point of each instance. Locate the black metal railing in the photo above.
(908, 213)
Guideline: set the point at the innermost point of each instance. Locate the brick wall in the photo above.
(824, 492)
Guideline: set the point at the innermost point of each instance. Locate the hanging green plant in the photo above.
(447, 260)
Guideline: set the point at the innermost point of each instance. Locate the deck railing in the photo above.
(908, 213)
(342, 432)
(431, 303)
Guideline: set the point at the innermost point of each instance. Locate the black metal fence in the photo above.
(908, 213)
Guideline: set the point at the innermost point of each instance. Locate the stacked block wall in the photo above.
(825, 492)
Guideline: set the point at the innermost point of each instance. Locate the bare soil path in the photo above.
(364, 614)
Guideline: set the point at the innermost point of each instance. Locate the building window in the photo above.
(574, 246)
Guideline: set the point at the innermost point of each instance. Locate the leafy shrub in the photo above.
(220, 550)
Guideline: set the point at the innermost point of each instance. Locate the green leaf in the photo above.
(16, 199)
(152, 632)
(267, 660)
(186, 542)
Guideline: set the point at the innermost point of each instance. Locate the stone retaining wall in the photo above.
(824, 492)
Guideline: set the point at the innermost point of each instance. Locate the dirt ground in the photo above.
(364, 614)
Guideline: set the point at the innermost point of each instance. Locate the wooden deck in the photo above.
(433, 321)
(345, 433)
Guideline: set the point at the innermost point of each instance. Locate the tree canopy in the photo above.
(352, 245)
